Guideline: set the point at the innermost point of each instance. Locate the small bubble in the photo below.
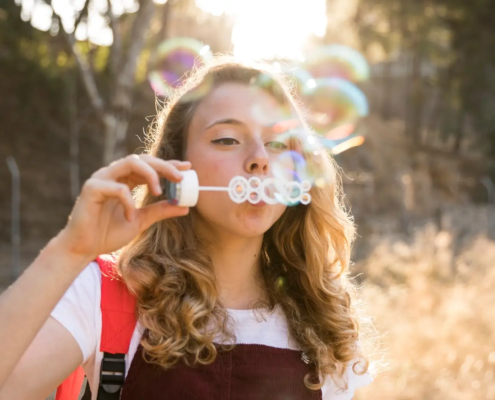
(320, 182)
(280, 283)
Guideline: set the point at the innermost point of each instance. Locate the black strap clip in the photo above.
(112, 375)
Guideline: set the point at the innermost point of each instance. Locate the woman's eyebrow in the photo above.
(226, 121)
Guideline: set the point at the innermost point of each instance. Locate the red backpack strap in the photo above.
(71, 387)
(118, 310)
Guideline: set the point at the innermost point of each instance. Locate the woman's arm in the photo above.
(25, 307)
(103, 220)
(49, 359)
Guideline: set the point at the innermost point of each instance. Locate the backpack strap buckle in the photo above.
(112, 373)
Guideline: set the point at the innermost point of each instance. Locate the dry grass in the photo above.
(433, 304)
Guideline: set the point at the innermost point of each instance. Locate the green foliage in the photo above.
(457, 38)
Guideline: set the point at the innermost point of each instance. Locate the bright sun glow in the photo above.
(266, 29)
(263, 29)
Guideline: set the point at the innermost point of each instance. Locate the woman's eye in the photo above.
(278, 145)
(226, 141)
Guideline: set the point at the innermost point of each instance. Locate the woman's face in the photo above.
(231, 134)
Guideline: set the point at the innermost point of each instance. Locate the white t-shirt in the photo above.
(79, 312)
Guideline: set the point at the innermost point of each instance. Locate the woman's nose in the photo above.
(258, 162)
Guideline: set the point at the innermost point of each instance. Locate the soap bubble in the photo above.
(334, 107)
(280, 283)
(290, 166)
(333, 103)
(267, 83)
(305, 159)
(302, 80)
(337, 61)
(174, 59)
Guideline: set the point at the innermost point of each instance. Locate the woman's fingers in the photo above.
(156, 212)
(144, 169)
(180, 165)
(130, 166)
(165, 168)
(101, 190)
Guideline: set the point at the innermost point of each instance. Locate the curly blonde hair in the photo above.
(304, 259)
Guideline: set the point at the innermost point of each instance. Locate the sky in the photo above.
(263, 29)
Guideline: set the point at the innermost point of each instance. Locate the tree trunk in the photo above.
(115, 130)
(117, 117)
(459, 132)
(74, 138)
(417, 98)
(387, 90)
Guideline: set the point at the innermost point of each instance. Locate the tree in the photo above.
(415, 33)
(113, 111)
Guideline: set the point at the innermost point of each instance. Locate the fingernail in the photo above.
(158, 189)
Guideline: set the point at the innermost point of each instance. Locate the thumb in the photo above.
(156, 212)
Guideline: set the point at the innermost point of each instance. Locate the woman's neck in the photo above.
(236, 262)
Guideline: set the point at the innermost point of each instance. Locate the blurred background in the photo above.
(75, 94)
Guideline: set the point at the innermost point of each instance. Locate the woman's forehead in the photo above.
(249, 104)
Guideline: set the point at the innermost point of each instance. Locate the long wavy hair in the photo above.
(305, 256)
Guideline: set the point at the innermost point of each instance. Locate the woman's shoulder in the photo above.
(78, 309)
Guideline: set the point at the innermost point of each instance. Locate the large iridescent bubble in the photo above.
(334, 106)
(304, 159)
(334, 103)
(174, 59)
(337, 61)
(302, 79)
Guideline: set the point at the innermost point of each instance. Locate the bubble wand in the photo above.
(240, 189)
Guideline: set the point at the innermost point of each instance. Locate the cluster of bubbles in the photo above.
(326, 83)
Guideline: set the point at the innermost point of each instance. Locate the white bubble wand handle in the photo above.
(240, 189)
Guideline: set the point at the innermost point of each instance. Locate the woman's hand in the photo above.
(104, 217)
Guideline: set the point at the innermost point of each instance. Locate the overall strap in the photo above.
(118, 310)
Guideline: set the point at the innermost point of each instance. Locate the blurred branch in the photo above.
(114, 116)
(139, 28)
(84, 67)
(116, 48)
(82, 14)
(162, 35)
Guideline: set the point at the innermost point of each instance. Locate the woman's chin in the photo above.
(251, 227)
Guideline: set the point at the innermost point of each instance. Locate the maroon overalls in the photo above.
(249, 371)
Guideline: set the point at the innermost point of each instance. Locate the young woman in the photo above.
(270, 279)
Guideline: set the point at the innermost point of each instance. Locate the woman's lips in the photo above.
(259, 204)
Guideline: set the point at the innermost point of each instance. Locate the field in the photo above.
(431, 297)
